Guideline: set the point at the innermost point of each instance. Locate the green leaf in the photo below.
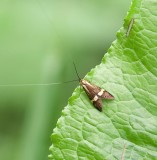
(129, 72)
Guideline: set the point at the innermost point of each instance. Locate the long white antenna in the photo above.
(35, 84)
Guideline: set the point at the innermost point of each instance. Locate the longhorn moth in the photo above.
(94, 93)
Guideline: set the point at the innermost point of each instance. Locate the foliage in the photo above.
(129, 72)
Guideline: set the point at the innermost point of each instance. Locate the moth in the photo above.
(94, 93)
(130, 27)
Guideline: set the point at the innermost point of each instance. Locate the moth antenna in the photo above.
(76, 71)
(36, 84)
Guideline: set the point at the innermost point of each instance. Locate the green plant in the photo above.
(129, 72)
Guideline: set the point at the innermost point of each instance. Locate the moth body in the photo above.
(95, 93)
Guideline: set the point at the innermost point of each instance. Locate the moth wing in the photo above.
(107, 95)
(98, 104)
(91, 90)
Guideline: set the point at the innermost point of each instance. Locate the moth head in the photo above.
(83, 82)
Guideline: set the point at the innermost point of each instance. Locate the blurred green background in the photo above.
(39, 39)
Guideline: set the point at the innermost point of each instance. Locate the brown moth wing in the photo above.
(107, 95)
(95, 94)
(90, 89)
(92, 93)
(98, 104)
